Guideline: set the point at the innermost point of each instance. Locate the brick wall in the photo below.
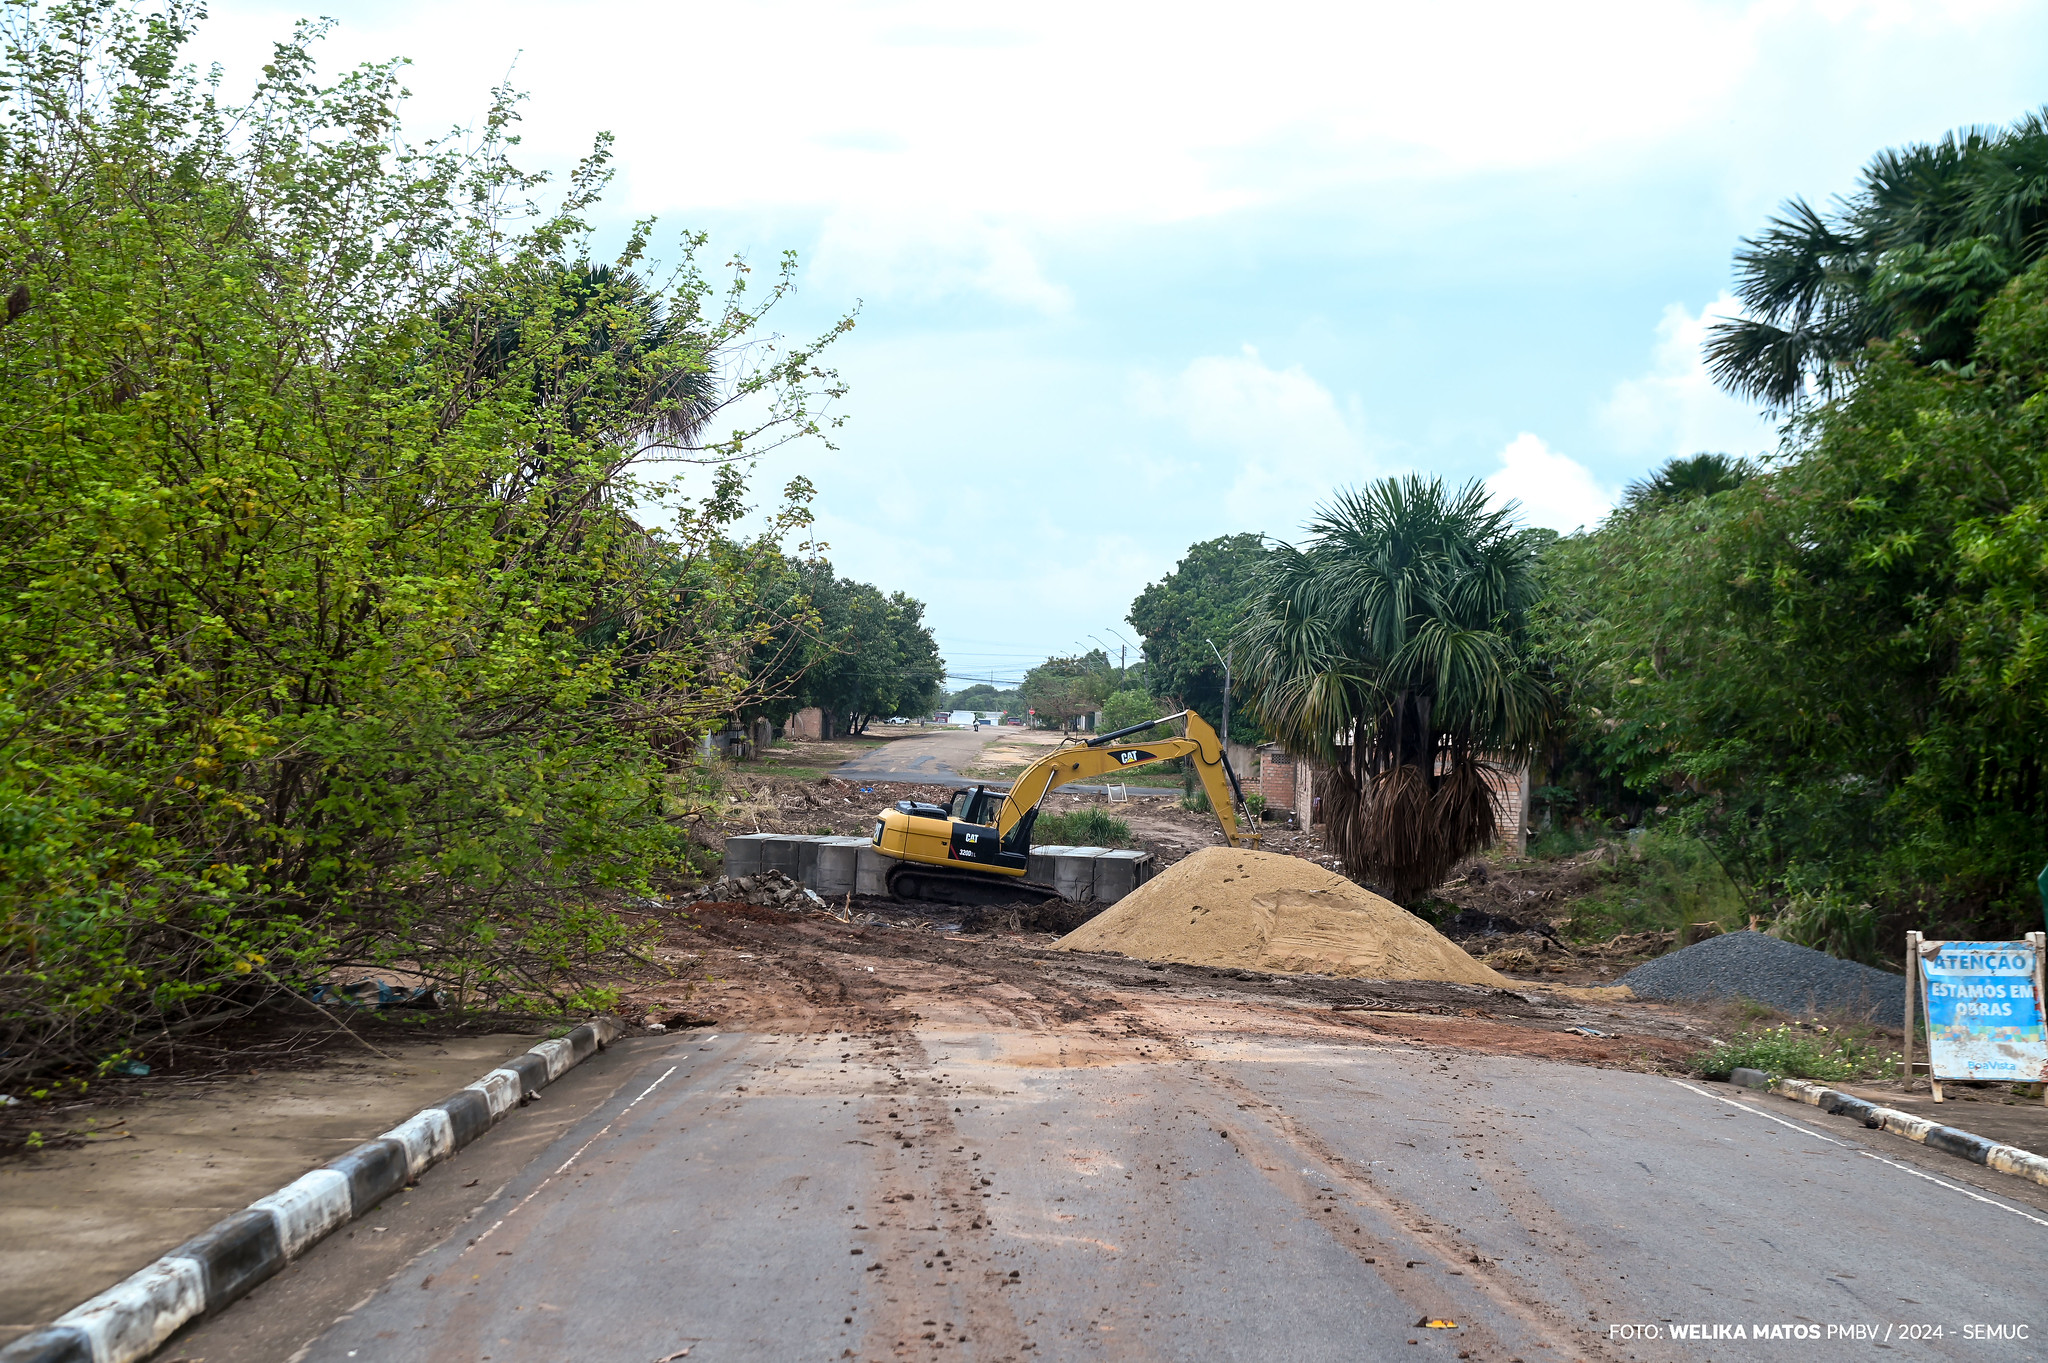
(1511, 805)
(1510, 797)
(806, 725)
(1276, 778)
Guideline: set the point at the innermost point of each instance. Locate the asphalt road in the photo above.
(947, 1192)
(935, 759)
(932, 758)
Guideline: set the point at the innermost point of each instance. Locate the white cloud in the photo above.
(1288, 440)
(1555, 490)
(925, 257)
(1076, 113)
(1676, 408)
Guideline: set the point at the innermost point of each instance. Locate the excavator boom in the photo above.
(983, 839)
(1103, 754)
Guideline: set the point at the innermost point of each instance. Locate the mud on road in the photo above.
(744, 967)
(887, 1141)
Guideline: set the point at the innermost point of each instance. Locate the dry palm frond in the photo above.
(1393, 647)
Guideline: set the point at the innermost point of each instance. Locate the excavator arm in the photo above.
(1104, 754)
(978, 849)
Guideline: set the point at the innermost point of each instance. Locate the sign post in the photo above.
(1912, 1002)
(1983, 1001)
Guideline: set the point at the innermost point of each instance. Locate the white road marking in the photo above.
(567, 1162)
(1800, 1127)
(1846, 1145)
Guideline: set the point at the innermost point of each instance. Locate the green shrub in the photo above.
(1256, 804)
(340, 625)
(1660, 881)
(1081, 828)
(1196, 803)
(1794, 1052)
(1555, 844)
(1828, 920)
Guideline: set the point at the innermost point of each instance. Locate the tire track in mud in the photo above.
(927, 1299)
(1287, 1143)
(935, 1270)
(936, 1281)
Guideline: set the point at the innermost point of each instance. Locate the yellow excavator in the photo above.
(977, 848)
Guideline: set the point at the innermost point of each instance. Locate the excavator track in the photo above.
(939, 885)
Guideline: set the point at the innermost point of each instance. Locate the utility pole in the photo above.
(1226, 689)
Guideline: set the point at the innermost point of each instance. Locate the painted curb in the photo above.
(2007, 1159)
(132, 1319)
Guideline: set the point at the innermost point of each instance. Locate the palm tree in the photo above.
(1933, 232)
(1685, 480)
(1391, 648)
(621, 353)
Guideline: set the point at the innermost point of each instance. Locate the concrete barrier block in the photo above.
(1043, 859)
(1118, 873)
(795, 855)
(743, 854)
(838, 868)
(807, 850)
(1073, 874)
(871, 871)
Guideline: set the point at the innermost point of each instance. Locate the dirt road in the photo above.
(904, 1144)
(936, 758)
(961, 757)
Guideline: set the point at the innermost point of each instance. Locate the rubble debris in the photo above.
(1633, 944)
(1516, 959)
(767, 890)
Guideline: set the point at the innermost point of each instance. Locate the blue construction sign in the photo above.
(1984, 1013)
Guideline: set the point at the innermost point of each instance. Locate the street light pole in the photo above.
(1226, 690)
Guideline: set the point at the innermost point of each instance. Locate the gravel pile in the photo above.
(1791, 979)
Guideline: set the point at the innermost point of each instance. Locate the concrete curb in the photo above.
(2007, 1159)
(132, 1319)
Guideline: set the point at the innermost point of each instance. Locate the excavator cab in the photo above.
(978, 804)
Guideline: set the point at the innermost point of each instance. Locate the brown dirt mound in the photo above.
(1265, 911)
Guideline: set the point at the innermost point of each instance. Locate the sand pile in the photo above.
(1265, 911)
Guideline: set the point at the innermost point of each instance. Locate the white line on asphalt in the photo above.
(1846, 1145)
(1745, 1107)
(1920, 1173)
(566, 1163)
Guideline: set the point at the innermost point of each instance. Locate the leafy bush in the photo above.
(1125, 708)
(1794, 1052)
(1828, 920)
(1256, 804)
(1660, 880)
(1088, 827)
(1196, 801)
(1833, 668)
(1556, 844)
(337, 626)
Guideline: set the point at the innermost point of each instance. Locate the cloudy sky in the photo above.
(1132, 276)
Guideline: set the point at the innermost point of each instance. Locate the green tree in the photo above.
(331, 632)
(1835, 669)
(1121, 709)
(1199, 603)
(871, 654)
(1393, 648)
(1932, 234)
(1062, 690)
(985, 696)
(1683, 480)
